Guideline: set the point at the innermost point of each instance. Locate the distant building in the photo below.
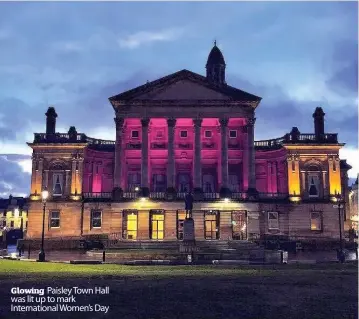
(13, 214)
(187, 132)
(353, 207)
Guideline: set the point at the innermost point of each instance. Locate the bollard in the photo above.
(28, 252)
(19, 251)
(103, 256)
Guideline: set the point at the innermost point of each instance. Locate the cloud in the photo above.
(137, 39)
(68, 46)
(13, 179)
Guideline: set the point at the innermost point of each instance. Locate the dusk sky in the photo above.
(295, 55)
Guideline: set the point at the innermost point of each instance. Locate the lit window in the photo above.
(207, 134)
(157, 224)
(273, 220)
(135, 134)
(181, 216)
(55, 219)
(232, 134)
(57, 184)
(211, 224)
(129, 224)
(183, 134)
(315, 221)
(96, 219)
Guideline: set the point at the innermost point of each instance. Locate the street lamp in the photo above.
(44, 196)
(340, 205)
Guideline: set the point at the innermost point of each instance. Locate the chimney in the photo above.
(51, 121)
(318, 116)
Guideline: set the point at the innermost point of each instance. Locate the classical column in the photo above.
(251, 155)
(197, 153)
(73, 177)
(144, 153)
(171, 171)
(118, 152)
(224, 151)
(45, 180)
(80, 175)
(67, 182)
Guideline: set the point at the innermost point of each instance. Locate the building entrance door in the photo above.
(157, 224)
(211, 225)
(239, 225)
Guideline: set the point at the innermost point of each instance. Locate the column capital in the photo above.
(223, 122)
(119, 122)
(145, 122)
(171, 122)
(197, 122)
(251, 121)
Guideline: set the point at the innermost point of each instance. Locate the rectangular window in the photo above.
(20, 213)
(12, 224)
(135, 134)
(55, 219)
(183, 134)
(159, 182)
(313, 185)
(57, 184)
(96, 219)
(181, 216)
(233, 183)
(133, 181)
(211, 224)
(232, 134)
(315, 221)
(157, 224)
(239, 225)
(4, 223)
(207, 134)
(129, 225)
(273, 220)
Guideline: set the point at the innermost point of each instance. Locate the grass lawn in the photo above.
(203, 292)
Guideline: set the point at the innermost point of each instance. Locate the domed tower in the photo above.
(216, 66)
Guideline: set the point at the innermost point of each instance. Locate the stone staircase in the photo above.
(206, 249)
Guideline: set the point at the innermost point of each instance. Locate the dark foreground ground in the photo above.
(203, 292)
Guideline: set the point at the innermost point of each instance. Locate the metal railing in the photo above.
(97, 195)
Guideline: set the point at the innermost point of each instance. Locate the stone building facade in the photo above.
(186, 132)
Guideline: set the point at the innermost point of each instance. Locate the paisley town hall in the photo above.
(182, 133)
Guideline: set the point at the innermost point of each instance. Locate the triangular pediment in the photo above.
(184, 85)
(183, 90)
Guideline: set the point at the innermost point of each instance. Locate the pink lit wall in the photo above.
(98, 171)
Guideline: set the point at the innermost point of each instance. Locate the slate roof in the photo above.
(232, 92)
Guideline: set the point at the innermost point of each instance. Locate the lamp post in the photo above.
(44, 195)
(340, 205)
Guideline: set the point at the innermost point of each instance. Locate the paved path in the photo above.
(66, 255)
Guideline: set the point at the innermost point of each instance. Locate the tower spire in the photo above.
(216, 66)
